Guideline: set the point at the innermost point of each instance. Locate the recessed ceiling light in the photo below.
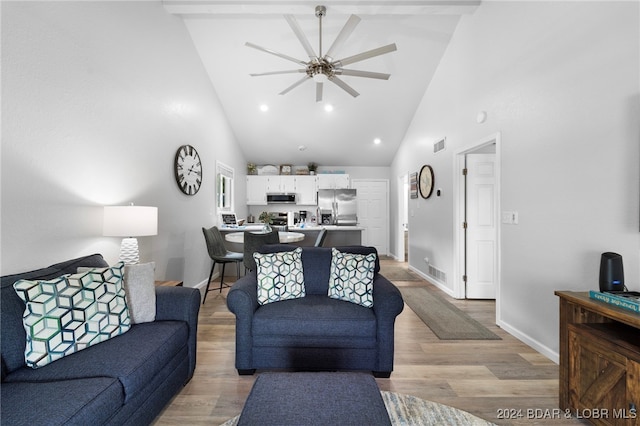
(328, 107)
(377, 141)
(264, 107)
(302, 148)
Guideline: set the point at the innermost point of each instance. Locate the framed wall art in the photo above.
(413, 185)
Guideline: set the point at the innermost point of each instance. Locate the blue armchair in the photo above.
(315, 332)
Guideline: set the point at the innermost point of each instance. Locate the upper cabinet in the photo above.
(281, 184)
(305, 188)
(257, 190)
(331, 181)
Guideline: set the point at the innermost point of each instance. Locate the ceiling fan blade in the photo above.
(367, 74)
(319, 92)
(294, 85)
(273, 52)
(259, 74)
(344, 86)
(366, 55)
(345, 32)
(293, 23)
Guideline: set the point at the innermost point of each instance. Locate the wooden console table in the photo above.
(599, 360)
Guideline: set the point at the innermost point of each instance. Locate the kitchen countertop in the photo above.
(257, 227)
(285, 237)
(328, 228)
(336, 235)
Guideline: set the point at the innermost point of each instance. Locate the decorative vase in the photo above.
(266, 228)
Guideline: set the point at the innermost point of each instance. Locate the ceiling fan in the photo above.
(321, 67)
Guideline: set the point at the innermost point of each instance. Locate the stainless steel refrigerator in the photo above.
(337, 206)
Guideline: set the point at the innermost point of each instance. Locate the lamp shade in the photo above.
(130, 221)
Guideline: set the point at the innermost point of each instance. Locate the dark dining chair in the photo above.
(253, 242)
(320, 238)
(219, 254)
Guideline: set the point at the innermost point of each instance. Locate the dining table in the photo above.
(285, 236)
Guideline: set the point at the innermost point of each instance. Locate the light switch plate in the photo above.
(510, 217)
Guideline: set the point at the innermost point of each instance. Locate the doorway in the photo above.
(373, 212)
(402, 227)
(477, 242)
(481, 222)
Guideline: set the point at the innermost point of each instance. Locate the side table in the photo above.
(599, 359)
(169, 283)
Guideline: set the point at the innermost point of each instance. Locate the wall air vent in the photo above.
(439, 146)
(437, 274)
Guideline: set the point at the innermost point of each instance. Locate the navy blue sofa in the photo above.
(125, 380)
(315, 332)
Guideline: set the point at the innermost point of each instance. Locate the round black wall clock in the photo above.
(425, 181)
(188, 169)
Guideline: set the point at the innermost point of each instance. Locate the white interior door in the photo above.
(373, 212)
(403, 218)
(481, 256)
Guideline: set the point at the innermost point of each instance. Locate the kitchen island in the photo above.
(336, 235)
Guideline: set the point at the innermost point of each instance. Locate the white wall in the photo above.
(560, 81)
(360, 172)
(96, 99)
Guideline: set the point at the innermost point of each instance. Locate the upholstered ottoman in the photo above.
(314, 399)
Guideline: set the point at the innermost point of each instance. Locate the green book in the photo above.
(629, 300)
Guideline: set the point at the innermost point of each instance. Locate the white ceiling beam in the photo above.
(230, 8)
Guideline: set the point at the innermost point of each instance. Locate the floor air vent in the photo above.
(437, 274)
(439, 146)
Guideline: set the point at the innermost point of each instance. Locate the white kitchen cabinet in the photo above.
(331, 181)
(281, 184)
(257, 190)
(307, 190)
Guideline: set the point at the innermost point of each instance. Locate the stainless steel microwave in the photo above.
(281, 198)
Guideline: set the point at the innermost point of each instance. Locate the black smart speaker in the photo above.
(611, 273)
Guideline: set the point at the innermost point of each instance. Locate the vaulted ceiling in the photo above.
(296, 129)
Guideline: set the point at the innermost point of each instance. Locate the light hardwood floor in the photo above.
(484, 377)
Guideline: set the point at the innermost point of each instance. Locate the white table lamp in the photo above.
(130, 222)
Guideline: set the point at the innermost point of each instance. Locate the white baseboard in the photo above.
(442, 286)
(202, 285)
(392, 256)
(526, 339)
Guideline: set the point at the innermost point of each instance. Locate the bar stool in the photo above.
(219, 254)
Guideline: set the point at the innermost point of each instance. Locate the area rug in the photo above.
(445, 320)
(409, 410)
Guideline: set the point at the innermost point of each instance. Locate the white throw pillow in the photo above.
(139, 286)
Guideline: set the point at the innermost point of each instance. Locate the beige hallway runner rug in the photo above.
(445, 320)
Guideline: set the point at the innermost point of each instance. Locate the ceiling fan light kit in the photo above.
(321, 67)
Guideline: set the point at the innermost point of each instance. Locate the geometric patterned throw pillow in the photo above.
(72, 312)
(140, 290)
(351, 277)
(280, 276)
